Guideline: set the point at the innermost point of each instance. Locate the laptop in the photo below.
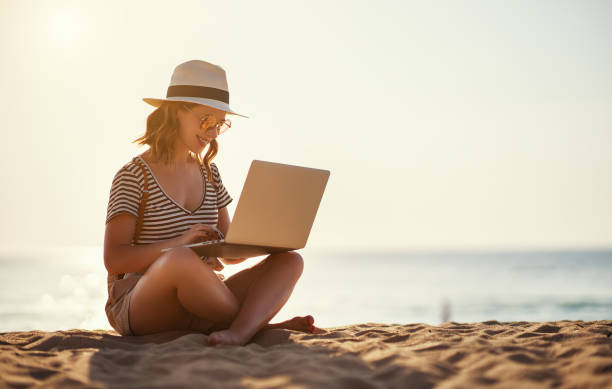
(275, 212)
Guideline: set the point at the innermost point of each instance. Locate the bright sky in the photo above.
(460, 124)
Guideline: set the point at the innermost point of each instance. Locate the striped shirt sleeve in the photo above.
(125, 194)
(223, 197)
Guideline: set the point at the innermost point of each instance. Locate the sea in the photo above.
(65, 288)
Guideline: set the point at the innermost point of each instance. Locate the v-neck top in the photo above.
(163, 217)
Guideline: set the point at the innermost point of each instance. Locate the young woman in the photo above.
(151, 292)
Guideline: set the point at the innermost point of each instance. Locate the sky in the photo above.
(445, 125)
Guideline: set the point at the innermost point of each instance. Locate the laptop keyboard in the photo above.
(197, 244)
(206, 243)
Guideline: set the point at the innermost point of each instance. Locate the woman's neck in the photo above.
(177, 164)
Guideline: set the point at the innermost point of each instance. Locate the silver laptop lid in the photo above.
(278, 205)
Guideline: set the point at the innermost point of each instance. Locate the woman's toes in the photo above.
(303, 323)
(310, 320)
(298, 323)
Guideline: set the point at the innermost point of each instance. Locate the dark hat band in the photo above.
(198, 91)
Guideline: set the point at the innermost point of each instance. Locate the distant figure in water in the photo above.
(446, 310)
(185, 202)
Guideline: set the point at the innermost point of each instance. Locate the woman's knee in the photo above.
(179, 261)
(182, 266)
(296, 259)
(291, 259)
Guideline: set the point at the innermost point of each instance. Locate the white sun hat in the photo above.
(198, 82)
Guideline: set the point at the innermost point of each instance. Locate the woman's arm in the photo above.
(223, 226)
(119, 254)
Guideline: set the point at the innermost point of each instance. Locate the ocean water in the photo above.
(65, 288)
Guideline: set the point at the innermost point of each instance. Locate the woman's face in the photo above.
(191, 134)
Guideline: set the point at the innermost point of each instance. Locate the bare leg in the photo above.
(239, 284)
(265, 297)
(174, 288)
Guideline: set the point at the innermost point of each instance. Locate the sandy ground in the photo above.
(563, 354)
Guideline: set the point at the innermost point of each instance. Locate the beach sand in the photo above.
(562, 354)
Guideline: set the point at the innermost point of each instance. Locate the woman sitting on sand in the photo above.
(186, 203)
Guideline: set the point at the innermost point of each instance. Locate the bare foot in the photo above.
(298, 323)
(226, 337)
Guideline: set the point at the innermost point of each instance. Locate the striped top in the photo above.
(163, 217)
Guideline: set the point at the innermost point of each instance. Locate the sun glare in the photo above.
(65, 27)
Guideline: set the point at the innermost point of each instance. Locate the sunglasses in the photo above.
(207, 121)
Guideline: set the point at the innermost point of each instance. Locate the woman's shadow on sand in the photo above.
(183, 359)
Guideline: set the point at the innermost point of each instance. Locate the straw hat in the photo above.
(198, 82)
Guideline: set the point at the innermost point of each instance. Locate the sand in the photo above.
(563, 354)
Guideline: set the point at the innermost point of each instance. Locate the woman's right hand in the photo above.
(198, 233)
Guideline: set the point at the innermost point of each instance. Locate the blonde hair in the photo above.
(162, 132)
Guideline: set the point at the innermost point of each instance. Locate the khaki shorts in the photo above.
(119, 310)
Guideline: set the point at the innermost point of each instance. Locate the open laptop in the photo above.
(275, 212)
